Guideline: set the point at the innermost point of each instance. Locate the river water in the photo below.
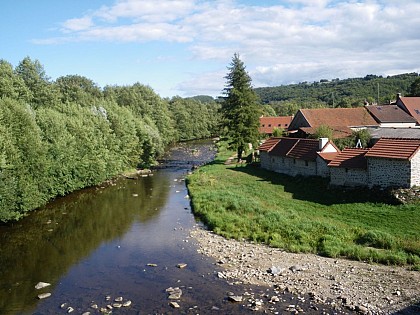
(123, 239)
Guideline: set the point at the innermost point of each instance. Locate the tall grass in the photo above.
(303, 215)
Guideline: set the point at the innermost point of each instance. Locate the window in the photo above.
(269, 125)
(417, 111)
(285, 125)
(263, 125)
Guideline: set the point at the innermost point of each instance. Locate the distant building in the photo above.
(391, 116)
(267, 124)
(410, 105)
(343, 121)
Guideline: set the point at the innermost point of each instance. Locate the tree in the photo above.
(323, 131)
(415, 88)
(33, 74)
(239, 108)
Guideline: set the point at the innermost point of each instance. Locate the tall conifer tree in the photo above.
(240, 109)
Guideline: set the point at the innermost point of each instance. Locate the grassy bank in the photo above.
(304, 215)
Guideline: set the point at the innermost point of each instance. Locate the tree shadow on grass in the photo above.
(317, 189)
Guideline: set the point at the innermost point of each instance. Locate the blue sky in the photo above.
(183, 47)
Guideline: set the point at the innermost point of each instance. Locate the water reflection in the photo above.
(43, 246)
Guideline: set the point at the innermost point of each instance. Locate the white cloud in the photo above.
(296, 40)
(77, 24)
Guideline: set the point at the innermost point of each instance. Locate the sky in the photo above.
(184, 47)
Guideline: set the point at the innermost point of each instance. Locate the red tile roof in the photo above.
(328, 156)
(269, 144)
(297, 148)
(390, 114)
(350, 158)
(338, 117)
(284, 146)
(267, 124)
(305, 149)
(402, 149)
(412, 104)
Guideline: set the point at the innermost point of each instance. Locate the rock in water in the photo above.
(44, 295)
(41, 285)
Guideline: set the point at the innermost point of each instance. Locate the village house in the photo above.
(349, 168)
(394, 163)
(342, 121)
(410, 105)
(389, 163)
(296, 156)
(391, 116)
(267, 124)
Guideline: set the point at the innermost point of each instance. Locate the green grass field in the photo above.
(304, 215)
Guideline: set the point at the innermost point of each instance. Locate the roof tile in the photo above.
(350, 158)
(392, 148)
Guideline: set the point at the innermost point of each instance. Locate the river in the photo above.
(124, 239)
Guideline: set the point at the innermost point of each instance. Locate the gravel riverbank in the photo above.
(343, 284)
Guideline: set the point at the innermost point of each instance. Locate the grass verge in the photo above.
(301, 214)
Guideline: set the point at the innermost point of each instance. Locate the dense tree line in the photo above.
(63, 135)
(287, 99)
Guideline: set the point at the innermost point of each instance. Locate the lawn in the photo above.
(304, 214)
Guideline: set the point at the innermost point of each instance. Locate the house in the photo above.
(394, 163)
(391, 116)
(410, 105)
(296, 156)
(391, 162)
(267, 124)
(343, 121)
(349, 168)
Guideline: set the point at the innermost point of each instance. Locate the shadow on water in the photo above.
(315, 189)
(47, 243)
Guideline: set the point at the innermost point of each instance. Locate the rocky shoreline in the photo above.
(344, 285)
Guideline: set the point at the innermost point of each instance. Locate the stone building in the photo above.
(295, 156)
(389, 163)
(394, 163)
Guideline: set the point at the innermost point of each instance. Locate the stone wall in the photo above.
(348, 177)
(322, 168)
(265, 161)
(389, 172)
(293, 167)
(415, 170)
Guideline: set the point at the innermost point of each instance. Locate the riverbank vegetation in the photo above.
(63, 135)
(303, 214)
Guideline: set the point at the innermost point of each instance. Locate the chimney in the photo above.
(322, 143)
(398, 96)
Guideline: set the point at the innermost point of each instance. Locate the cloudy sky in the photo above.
(183, 47)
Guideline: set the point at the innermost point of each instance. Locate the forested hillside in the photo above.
(63, 135)
(287, 99)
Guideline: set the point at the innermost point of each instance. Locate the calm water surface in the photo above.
(100, 242)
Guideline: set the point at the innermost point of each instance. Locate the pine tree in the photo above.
(240, 109)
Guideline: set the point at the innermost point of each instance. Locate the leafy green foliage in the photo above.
(57, 137)
(415, 87)
(323, 131)
(287, 99)
(239, 108)
(194, 119)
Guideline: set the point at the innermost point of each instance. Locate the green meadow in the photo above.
(301, 214)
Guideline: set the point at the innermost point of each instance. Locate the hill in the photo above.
(350, 92)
